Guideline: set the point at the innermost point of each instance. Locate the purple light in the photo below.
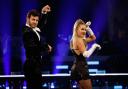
(65, 20)
(23, 12)
(68, 13)
(101, 16)
(6, 35)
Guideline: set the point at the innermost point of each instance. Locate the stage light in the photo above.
(45, 85)
(62, 67)
(74, 86)
(52, 85)
(7, 88)
(93, 70)
(24, 87)
(93, 62)
(118, 87)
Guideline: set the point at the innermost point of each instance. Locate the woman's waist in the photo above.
(80, 60)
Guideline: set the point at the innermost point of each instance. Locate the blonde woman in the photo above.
(78, 45)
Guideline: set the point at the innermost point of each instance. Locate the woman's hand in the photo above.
(88, 23)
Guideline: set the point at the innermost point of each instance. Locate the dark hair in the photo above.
(33, 12)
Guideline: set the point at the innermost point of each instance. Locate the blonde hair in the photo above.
(75, 27)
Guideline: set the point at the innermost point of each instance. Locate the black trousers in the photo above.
(33, 75)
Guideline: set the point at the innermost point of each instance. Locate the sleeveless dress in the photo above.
(79, 70)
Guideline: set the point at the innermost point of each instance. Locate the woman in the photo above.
(78, 45)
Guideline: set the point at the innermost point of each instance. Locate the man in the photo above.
(36, 48)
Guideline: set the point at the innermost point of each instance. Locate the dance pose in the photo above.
(78, 45)
(35, 48)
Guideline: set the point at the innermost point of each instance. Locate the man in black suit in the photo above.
(35, 47)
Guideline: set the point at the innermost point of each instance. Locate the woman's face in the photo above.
(81, 30)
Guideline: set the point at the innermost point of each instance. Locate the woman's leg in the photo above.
(85, 84)
(80, 86)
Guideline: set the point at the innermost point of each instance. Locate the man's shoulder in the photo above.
(26, 29)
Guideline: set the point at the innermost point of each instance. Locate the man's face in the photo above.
(33, 21)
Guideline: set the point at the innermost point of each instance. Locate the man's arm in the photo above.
(44, 16)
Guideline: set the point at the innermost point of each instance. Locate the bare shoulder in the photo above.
(80, 45)
(79, 42)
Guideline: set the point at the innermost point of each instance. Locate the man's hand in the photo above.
(50, 48)
(46, 9)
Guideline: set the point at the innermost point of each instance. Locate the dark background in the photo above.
(109, 22)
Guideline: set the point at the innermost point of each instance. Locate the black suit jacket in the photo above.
(34, 47)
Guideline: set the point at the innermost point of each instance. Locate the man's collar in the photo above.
(35, 29)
